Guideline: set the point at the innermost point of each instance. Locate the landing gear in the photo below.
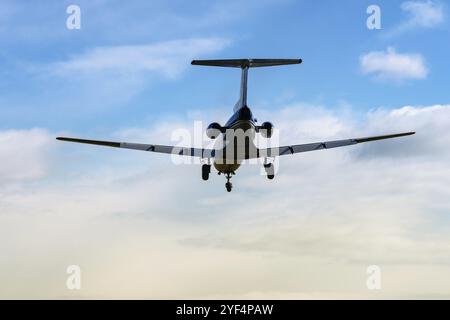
(228, 185)
(270, 170)
(206, 170)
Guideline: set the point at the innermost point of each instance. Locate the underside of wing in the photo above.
(280, 151)
(181, 151)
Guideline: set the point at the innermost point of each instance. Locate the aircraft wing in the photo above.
(280, 151)
(181, 151)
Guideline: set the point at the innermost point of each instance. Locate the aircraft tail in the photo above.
(244, 64)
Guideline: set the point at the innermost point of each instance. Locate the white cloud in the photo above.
(139, 226)
(425, 14)
(419, 14)
(23, 154)
(430, 123)
(390, 65)
(110, 76)
(168, 58)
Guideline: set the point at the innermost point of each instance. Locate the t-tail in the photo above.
(244, 64)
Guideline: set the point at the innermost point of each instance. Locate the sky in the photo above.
(140, 226)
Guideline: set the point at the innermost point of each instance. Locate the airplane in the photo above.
(236, 144)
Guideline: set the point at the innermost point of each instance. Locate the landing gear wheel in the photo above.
(206, 169)
(270, 170)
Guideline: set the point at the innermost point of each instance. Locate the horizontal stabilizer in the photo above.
(243, 63)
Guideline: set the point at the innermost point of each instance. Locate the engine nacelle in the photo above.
(213, 130)
(266, 129)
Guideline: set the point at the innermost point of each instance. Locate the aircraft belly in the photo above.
(226, 167)
(230, 158)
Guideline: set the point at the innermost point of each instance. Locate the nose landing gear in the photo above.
(228, 185)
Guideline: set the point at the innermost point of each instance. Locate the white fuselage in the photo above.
(237, 143)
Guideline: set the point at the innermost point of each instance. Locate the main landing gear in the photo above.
(206, 170)
(270, 170)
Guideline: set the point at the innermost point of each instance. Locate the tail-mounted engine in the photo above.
(266, 129)
(213, 130)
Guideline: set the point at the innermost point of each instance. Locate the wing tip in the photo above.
(409, 133)
(95, 142)
(388, 136)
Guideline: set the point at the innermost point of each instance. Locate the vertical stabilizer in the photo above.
(244, 64)
(243, 93)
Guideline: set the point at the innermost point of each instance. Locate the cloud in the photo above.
(390, 65)
(139, 226)
(168, 58)
(425, 14)
(23, 154)
(109, 76)
(428, 141)
(419, 15)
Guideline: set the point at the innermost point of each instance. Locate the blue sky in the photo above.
(139, 226)
(330, 37)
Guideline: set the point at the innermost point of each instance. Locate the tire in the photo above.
(270, 171)
(206, 170)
